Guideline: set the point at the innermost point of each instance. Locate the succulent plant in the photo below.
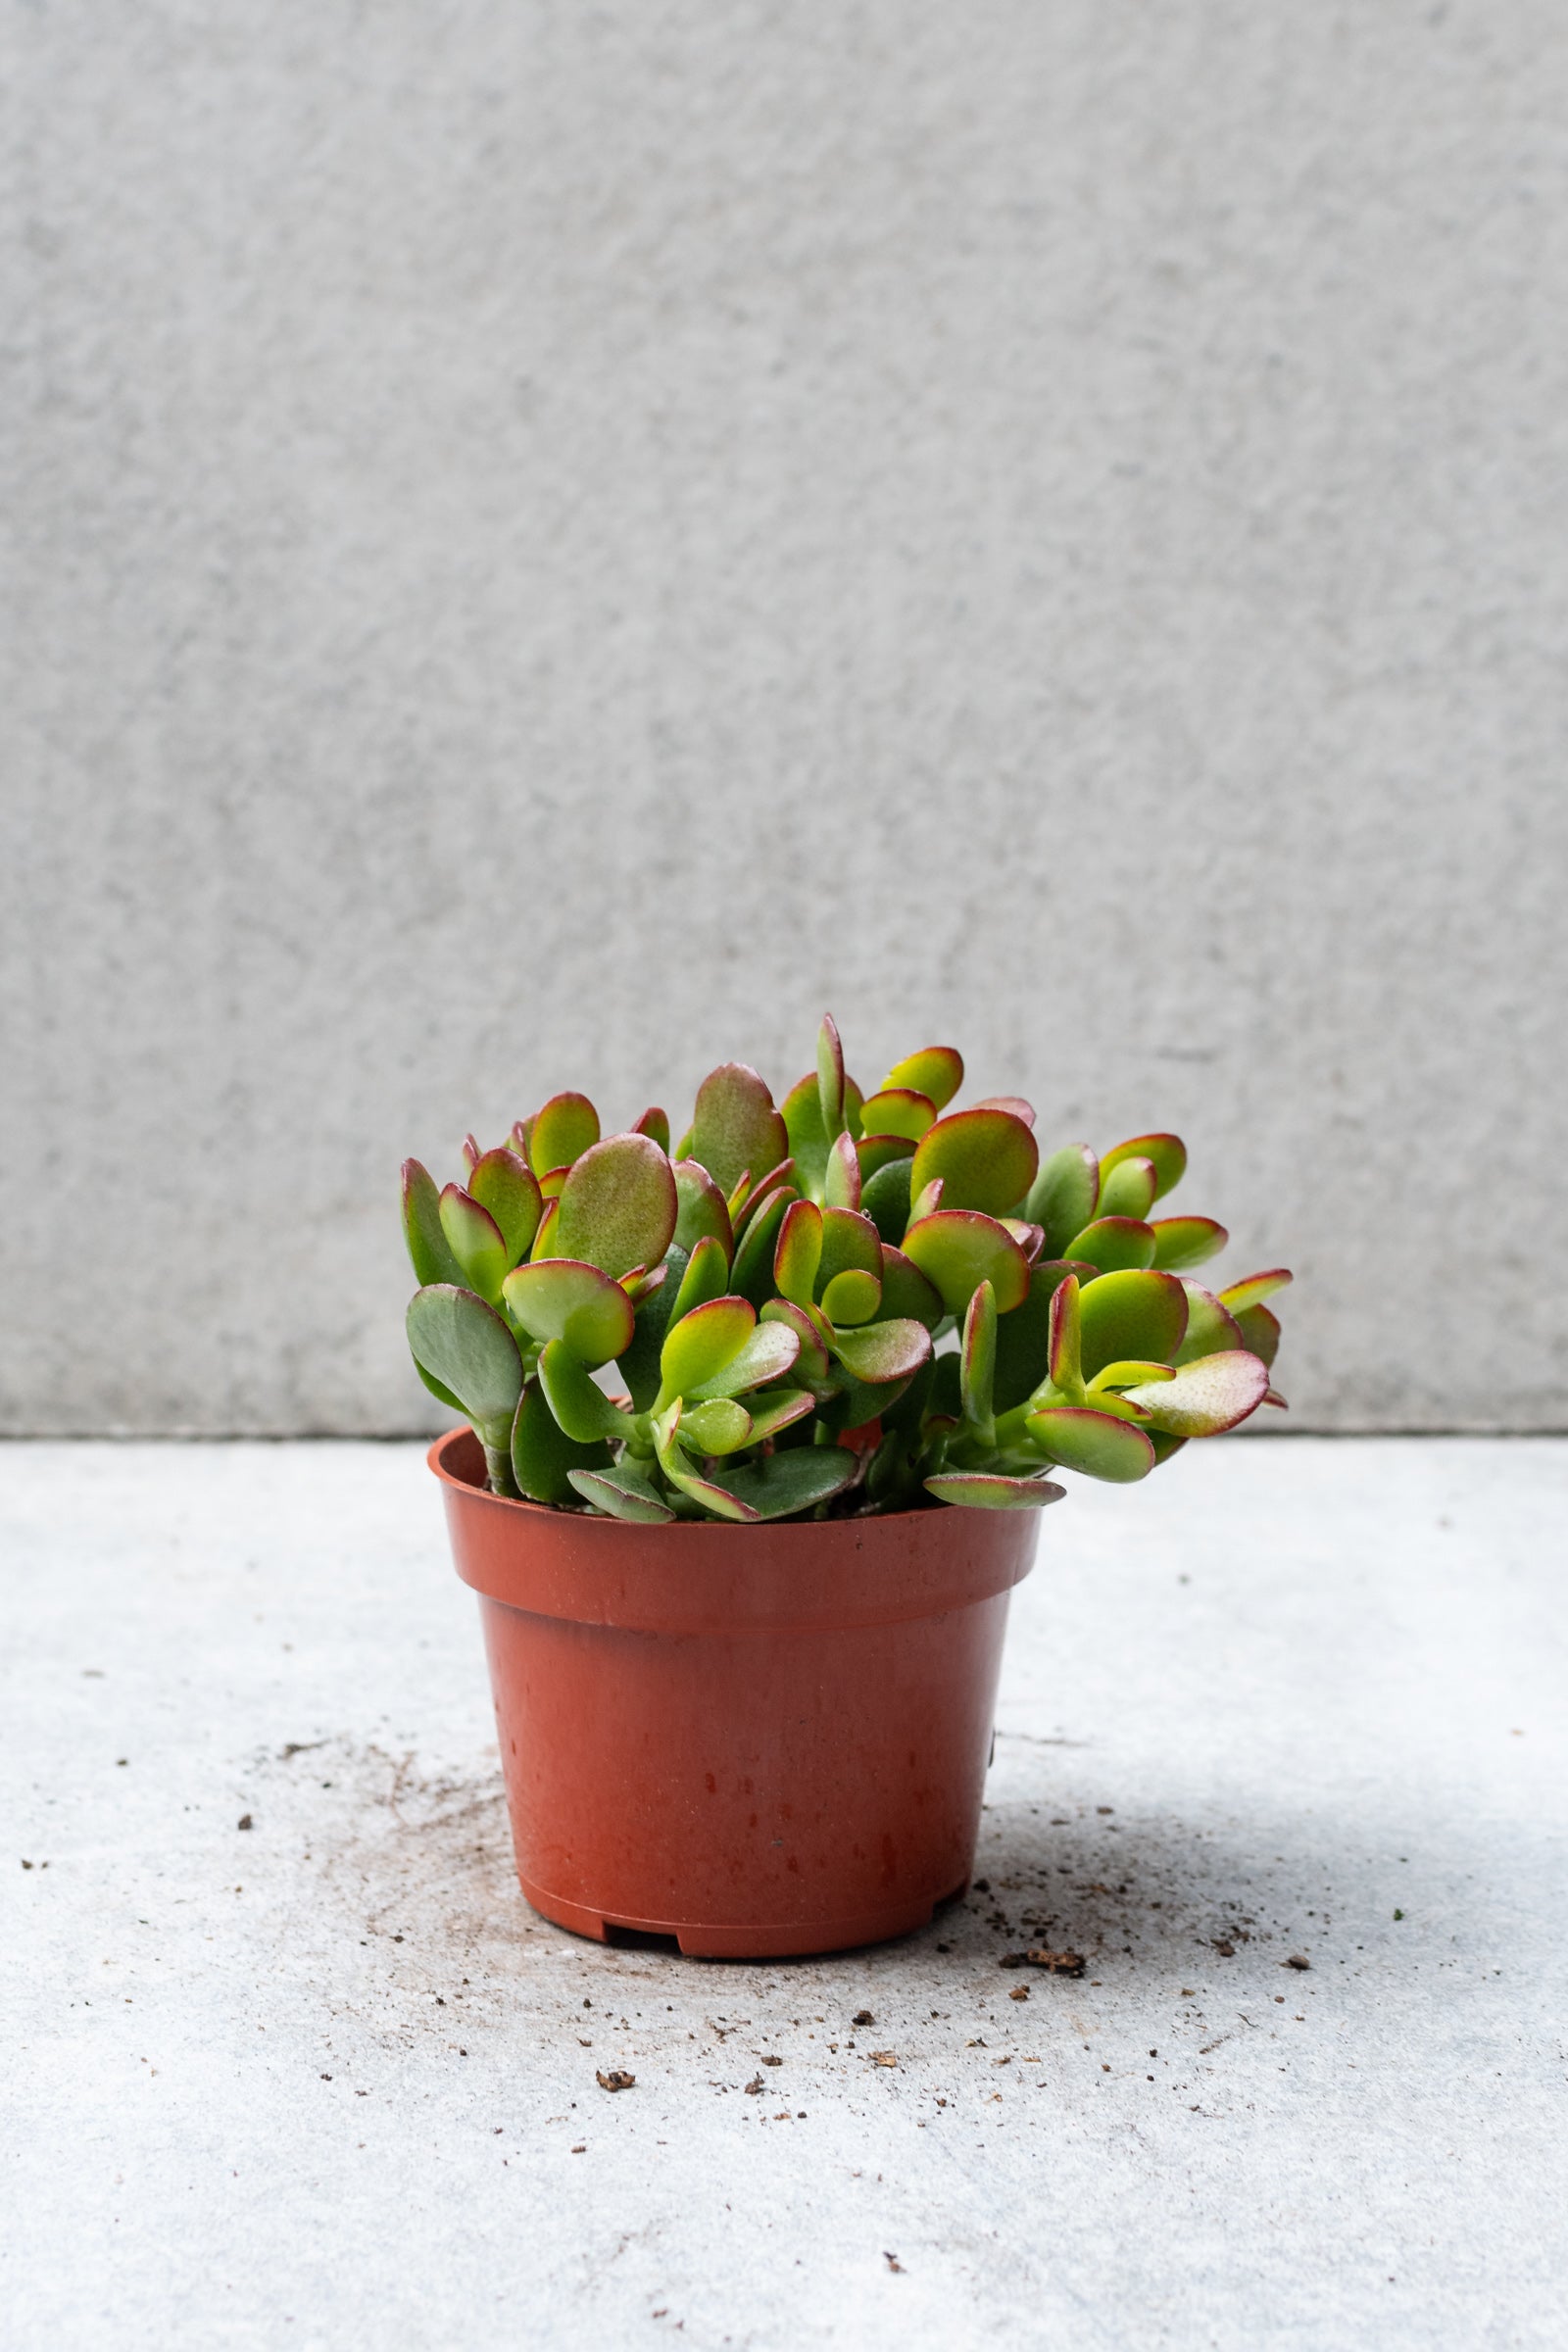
(841, 1303)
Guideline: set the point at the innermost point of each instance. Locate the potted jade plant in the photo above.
(756, 1430)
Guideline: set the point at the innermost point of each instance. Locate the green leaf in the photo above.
(850, 1240)
(1260, 1329)
(812, 1365)
(712, 1498)
(936, 1071)
(1064, 1195)
(1014, 1105)
(957, 1249)
(618, 1205)
(720, 1426)
(830, 1078)
(752, 1274)
(1184, 1241)
(701, 1345)
(639, 1362)
(655, 1123)
(1128, 1189)
(852, 1297)
(1166, 1154)
(579, 1403)
(1113, 1244)
(797, 1251)
(1131, 1374)
(766, 1355)
(783, 1484)
(1066, 1340)
(1252, 1289)
(773, 1409)
(1096, 1444)
(885, 1197)
(977, 1361)
(700, 1208)
(504, 1184)
(906, 1293)
(760, 1195)
(543, 1456)
(1205, 1397)
(428, 1247)
(561, 1131)
(463, 1344)
(985, 1490)
(1023, 1336)
(881, 1352)
(624, 1492)
(544, 1240)
(474, 1240)
(986, 1160)
(566, 1298)
(841, 1177)
(735, 1126)
(707, 1276)
(899, 1111)
(874, 1152)
(1131, 1313)
(443, 1395)
(1210, 1327)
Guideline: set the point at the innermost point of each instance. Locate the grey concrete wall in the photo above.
(542, 545)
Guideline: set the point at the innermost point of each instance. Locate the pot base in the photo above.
(787, 1940)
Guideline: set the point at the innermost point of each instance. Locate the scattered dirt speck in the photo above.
(616, 2079)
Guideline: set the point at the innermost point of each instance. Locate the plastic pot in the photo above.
(756, 1741)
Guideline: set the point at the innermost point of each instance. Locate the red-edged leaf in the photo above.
(797, 1251)
(977, 1360)
(735, 1126)
(504, 1184)
(936, 1071)
(987, 1491)
(1065, 1342)
(762, 1357)
(618, 1205)
(830, 1078)
(707, 1276)
(1252, 1289)
(701, 1345)
(812, 1365)
(1131, 1313)
(881, 1352)
(899, 1111)
(1113, 1244)
(567, 1298)
(1181, 1243)
(474, 1240)
(785, 1483)
(907, 1292)
(752, 1274)
(1014, 1105)
(757, 1198)
(1210, 1327)
(1023, 1337)
(1096, 1444)
(700, 1208)
(655, 1123)
(463, 1344)
(471, 1153)
(1260, 1329)
(852, 1297)
(429, 1251)
(562, 1131)
(1128, 1189)
(841, 1177)
(1064, 1195)
(1205, 1397)
(957, 1249)
(1167, 1154)
(552, 1183)
(985, 1160)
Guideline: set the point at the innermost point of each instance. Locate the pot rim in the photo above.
(782, 1576)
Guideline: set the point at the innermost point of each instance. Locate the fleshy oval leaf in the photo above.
(1113, 1245)
(1065, 1194)
(567, 1298)
(907, 1294)
(429, 1251)
(852, 1297)
(1181, 1243)
(576, 1400)
(623, 1493)
(1133, 1313)
(898, 1111)
(1166, 1154)
(880, 1353)
(936, 1071)
(474, 1240)
(988, 1490)
(700, 1208)
(830, 1077)
(985, 1160)
(1252, 1289)
(1205, 1397)
(1129, 1189)
(701, 1345)
(618, 1205)
(1210, 1327)
(797, 1253)
(764, 1357)
(506, 1186)
(957, 1249)
(464, 1343)
(543, 1456)
(1096, 1444)
(799, 1480)
(735, 1126)
(560, 1132)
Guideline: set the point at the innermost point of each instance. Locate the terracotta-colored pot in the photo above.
(757, 1740)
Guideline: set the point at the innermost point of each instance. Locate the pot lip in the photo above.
(814, 1528)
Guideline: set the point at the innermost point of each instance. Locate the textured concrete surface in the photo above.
(544, 545)
(325, 2081)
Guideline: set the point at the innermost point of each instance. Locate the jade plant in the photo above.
(838, 1304)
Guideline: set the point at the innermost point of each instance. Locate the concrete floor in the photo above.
(325, 2081)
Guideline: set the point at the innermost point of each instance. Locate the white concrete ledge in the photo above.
(324, 2081)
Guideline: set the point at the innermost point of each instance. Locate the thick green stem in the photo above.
(498, 1461)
